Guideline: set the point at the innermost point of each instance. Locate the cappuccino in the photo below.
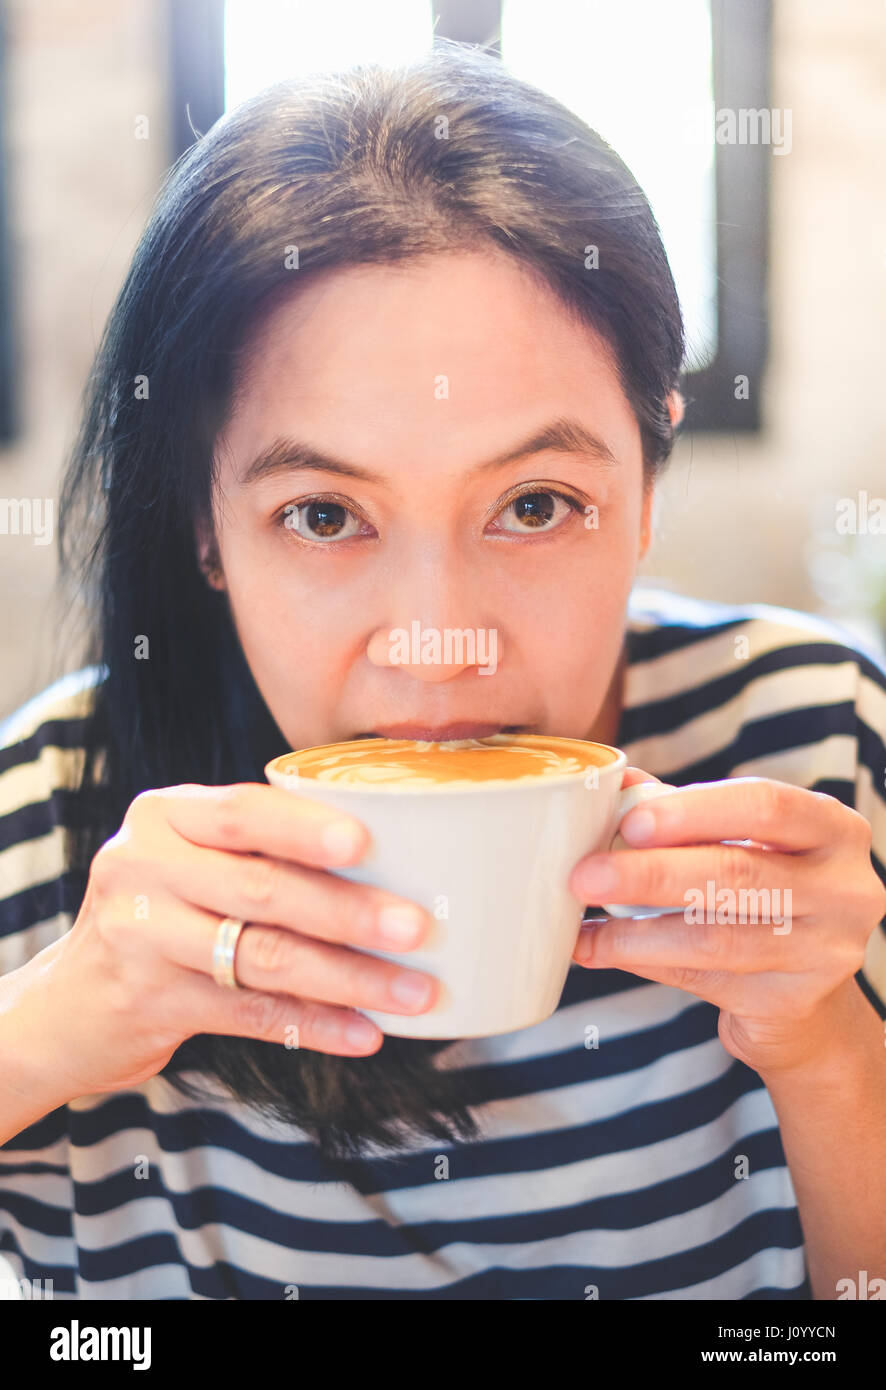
(409, 764)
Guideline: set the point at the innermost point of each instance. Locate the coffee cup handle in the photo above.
(628, 799)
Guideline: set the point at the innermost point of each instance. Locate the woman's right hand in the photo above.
(109, 1002)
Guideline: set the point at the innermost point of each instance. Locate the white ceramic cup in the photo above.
(490, 863)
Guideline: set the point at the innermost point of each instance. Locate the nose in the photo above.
(431, 640)
(432, 653)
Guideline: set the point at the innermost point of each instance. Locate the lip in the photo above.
(436, 734)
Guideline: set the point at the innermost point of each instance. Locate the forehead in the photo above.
(462, 352)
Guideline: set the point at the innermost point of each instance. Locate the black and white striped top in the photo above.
(609, 1171)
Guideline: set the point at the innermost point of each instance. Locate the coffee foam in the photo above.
(411, 763)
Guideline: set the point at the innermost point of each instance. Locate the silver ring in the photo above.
(223, 952)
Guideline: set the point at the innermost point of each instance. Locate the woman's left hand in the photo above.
(777, 975)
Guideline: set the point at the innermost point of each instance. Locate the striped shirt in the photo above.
(648, 1166)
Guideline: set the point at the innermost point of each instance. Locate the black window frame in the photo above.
(10, 413)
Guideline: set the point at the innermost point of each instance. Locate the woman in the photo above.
(396, 346)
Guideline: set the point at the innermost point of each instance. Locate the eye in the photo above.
(320, 519)
(539, 509)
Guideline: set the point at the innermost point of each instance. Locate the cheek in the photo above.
(575, 606)
(293, 628)
(267, 585)
(580, 639)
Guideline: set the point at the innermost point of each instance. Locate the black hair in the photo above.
(368, 165)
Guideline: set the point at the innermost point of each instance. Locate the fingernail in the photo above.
(399, 925)
(597, 879)
(583, 945)
(340, 840)
(411, 990)
(638, 825)
(360, 1032)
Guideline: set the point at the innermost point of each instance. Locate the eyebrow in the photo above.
(565, 436)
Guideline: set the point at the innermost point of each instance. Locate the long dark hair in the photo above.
(368, 165)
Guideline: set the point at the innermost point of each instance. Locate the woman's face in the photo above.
(397, 387)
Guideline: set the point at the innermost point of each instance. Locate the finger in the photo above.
(250, 817)
(318, 903)
(294, 1023)
(282, 962)
(704, 878)
(767, 994)
(670, 942)
(756, 809)
(632, 775)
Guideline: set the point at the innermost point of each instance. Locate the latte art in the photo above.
(414, 764)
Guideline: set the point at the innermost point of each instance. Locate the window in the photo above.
(651, 112)
(267, 40)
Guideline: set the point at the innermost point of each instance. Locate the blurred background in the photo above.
(756, 129)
